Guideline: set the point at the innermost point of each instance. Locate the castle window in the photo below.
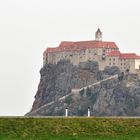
(103, 56)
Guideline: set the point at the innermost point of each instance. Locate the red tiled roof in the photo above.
(114, 53)
(78, 46)
(124, 55)
(65, 44)
(49, 50)
(129, 56)
(95, 44)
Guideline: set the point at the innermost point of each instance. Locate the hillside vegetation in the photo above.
(75, 128)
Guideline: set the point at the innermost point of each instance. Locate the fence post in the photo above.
(66, 112)
(88, 111)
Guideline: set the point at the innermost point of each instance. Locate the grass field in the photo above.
(69, 128)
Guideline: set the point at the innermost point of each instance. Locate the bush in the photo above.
(68, 100)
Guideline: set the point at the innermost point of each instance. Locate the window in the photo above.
(113, 59)
(127, 70)
(113, 63)
(109, 63)
(124, 64)
(103, 57)
(109, 59)
(121, 64)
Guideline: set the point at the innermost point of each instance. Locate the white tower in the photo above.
(98, 35)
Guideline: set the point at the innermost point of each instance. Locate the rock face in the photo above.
(110, 97)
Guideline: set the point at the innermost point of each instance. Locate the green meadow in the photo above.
(74, 128)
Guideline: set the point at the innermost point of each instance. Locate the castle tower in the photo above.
(98, 35)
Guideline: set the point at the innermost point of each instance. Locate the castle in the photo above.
(106, 53)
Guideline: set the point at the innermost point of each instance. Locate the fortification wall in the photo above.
(94, 54)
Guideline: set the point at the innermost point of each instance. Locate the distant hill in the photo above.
(107, 95)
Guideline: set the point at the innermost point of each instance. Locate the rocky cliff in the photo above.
(107, 95)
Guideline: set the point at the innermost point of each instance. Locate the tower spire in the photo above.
(98, 35)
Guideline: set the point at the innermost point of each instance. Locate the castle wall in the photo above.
(94, 54)
(137, 64)
(124, 64)
(127, 64)
(74, 58)
(131, 65)
(112, 61)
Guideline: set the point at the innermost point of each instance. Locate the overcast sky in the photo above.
(27, 27)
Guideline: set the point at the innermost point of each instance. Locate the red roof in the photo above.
(82, 45)
(124, 55)
(65, 43)
(114, 53)
(129, 56)
(91, 44)
(49, 50)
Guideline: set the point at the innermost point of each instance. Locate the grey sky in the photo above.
(27, 27)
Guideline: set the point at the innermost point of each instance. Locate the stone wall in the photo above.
(92, 54)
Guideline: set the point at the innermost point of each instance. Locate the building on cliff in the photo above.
(106, 53)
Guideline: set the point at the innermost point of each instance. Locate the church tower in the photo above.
(98, 35)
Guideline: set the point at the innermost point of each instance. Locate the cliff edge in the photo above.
(107, 94)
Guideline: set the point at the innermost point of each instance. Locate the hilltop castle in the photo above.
(106, 53)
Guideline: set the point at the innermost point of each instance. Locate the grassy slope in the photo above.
(69, 129)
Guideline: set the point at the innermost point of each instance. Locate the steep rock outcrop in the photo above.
(107, 98)
(57, 80)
